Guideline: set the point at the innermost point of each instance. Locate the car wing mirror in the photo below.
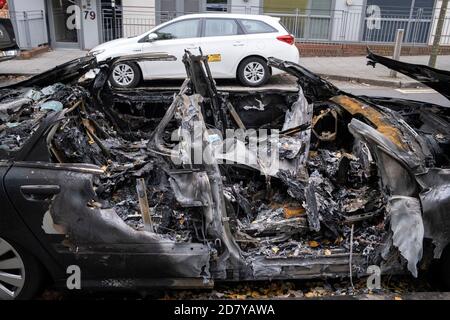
(152, 37)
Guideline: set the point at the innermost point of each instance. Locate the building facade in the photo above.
(83, 24)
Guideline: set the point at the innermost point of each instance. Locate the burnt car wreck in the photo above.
(107, 179)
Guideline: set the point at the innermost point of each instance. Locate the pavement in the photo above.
(424, 94)
(356, 69)
(353, 69)
(39, 63)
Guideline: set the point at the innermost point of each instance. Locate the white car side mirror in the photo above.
(152, 37)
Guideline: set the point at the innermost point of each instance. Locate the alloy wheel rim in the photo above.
(254, 72)
(123, 74)
(12, 271)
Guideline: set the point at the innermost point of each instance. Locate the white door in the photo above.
(172, 39)
(223, 40)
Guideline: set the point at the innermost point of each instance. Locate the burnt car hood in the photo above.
(436, 79)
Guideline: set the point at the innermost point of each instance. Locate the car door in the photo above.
(31, 187)
(58, 205)
(225, 43)
(172, 39)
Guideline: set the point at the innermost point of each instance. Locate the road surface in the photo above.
(419, 94)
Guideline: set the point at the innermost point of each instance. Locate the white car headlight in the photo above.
(96, 52)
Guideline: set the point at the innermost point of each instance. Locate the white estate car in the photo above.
(237, 45)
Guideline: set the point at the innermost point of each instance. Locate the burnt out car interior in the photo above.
(105, 178)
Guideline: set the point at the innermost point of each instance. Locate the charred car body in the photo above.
(8, 46)
(105, 179)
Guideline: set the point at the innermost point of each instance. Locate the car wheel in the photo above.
(125, 75)
(253, 72)
(21, 275)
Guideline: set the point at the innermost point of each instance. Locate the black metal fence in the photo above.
(354, 25)
(133, 21)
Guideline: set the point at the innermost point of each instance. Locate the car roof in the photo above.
(229, 16)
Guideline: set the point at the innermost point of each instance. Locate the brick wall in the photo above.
(348, 50)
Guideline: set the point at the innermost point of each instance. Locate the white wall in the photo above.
(138, 16)
(31, 31)
(27, 5)
(248, 7)
(347, 20)
(89, 26)
(445, 38)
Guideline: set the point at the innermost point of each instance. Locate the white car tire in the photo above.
(253, 72)
(125, 75)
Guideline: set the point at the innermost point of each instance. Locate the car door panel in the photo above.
(231, 48)
(25, 184)
(167, 69)
(58, 204)
(13, 228)
(172, 39)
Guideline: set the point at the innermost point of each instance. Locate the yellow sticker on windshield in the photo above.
(214, 57)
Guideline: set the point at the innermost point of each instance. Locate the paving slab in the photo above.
(40, 63)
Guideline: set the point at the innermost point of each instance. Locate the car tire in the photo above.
(253, 72)
(125, 75)
(16, 262)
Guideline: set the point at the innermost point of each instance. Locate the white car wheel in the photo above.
(125, 75)
(253, 72)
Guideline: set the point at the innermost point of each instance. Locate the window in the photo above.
(285, 5)
(255, 26)
(221, 27)
(321, 7)
(180, 30)
(216, 5)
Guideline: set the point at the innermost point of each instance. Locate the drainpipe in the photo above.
(408, 26)
(114, 18)
(47, 24)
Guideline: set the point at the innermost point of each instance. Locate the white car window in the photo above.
(180, 30)
(221, 27)
(255, 26)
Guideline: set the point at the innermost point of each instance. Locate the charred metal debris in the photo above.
(375, 170)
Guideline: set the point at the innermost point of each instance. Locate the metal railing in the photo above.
(306, 25)
(325, 26)
(133, 21)
(355, 26)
